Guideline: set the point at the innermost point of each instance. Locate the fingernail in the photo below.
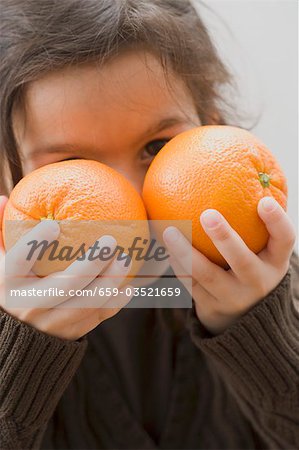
(107, 241)
(210, 218)
(97, 251)
(268, 204)
(50, 225)
(171, 234)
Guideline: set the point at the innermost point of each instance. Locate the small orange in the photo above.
(215, 166)
(87, 198)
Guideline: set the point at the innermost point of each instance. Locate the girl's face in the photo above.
(120, 114)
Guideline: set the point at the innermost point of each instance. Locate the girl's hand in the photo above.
(222, 296)
(64, 317)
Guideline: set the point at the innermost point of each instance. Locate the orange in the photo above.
(221, 167)
(87, 198)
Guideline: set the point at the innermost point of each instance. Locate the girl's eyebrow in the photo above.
(65, 147)
(163, 124)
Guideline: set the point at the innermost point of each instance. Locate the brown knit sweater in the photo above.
(134, 384)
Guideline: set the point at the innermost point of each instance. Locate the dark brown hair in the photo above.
(46, 35)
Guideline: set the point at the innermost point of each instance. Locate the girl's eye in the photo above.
(154, 147)
(70, 159)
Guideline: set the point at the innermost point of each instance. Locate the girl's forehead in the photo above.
(136, 77)
(131, 87)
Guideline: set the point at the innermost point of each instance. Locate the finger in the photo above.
(77, 275)
(78, 322)
(210, 276)
(118, 302)
(205, 303)
(244, 263)
(179, 248)
(281, 230)
(189, 282)
(96, 316)
(65, 315)
(3, 201)
(113, 277)
(97, 293)
(17, 262)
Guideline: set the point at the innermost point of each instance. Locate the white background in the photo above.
(258, 41)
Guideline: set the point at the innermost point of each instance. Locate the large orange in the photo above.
(220, 167)
(87, 198)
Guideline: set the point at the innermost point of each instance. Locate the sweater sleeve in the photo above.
(258, 359)
(35, 369)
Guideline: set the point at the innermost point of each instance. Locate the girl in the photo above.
(113, 80)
